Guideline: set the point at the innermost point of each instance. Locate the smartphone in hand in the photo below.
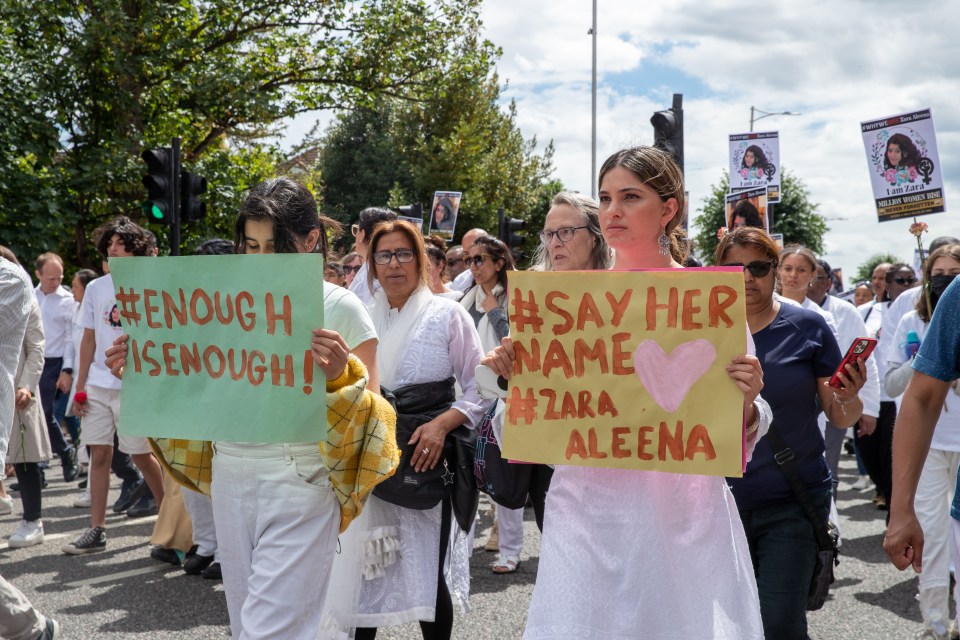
(861, 348)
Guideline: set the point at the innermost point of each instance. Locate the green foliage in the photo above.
(458, 140)
(84, 87)
(865, 270)
(795, 216)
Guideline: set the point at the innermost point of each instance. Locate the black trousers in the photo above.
(539, 485)
(876, 450)
(28, 477)
(48, 393)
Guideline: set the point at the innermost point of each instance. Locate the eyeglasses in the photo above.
(403, 256)
(905, 280)
(476, 261)
(352, 268)
(354, 230)
(758, 269)
(564, 234)
(453, 263)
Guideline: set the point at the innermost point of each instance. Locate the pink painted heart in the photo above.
(669, 378)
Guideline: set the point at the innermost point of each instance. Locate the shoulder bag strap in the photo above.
(787, 463)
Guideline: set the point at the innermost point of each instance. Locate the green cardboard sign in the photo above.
(220, 347)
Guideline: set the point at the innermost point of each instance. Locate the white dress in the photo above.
(642, 555)
(402, 545)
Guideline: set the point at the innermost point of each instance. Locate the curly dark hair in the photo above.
(759, 158)
(909, 154)
(135, 238)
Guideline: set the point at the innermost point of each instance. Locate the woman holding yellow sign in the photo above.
(624, 551)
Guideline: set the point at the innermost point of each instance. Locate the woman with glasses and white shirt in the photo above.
(425, 342)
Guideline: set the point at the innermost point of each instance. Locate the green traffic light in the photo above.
(153, 211)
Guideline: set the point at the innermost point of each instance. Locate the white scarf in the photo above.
(475, 297)
(395, 328)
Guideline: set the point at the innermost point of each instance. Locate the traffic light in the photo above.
(668, 129)
(160, 181)
(192, 186)
(507, 231)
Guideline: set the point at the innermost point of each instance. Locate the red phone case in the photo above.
(860, 348)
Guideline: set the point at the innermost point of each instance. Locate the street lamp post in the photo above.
(593, 107)
(766, 114)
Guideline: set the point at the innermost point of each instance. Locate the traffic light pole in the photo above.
(175, 185)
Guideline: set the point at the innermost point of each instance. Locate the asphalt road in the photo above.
(123, 593)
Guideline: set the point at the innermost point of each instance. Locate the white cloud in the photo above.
(836, 63)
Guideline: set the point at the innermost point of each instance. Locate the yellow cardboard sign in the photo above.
(627, 369)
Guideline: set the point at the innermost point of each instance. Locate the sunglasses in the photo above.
(902, 280)
(403, 256)
(758, 269)
(352, 268)
(476, 261)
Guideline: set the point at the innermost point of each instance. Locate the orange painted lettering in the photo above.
(671, 441)
(583, 406)
(529, 359)
(717, 308)
(189, 357)
(150, 309)
(272, 316)
(557, 357)
(653, 307)
(251, 318)
(171, 310)
(588, 312)
(592, 445)
(225, 315)
(286, 370)
(622, 360)
(209, 354)
(699, 442)
(551, 396)
(643, 441)
(582, 352)
(576, 446)
(617, 445)
(605, 405)
(689, 310)
(559, 329)
(168, 360)
(199, 295)
(569, 408)
(619, 307)
(255, 373)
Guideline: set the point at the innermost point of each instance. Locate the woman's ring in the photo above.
(426, 451)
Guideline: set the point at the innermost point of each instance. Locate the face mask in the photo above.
(938, 284)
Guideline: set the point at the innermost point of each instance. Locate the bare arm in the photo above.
(367, 352)
(916, 421)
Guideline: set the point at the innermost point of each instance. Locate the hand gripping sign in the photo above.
(220, 347)
(627, 370)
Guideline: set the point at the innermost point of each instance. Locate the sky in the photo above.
(835, 63)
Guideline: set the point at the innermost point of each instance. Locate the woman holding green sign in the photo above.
(624, 552)
(275, 510)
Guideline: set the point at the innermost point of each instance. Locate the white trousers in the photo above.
(277, 520)
(932, 504)
(200, 509)
(18, 619)
(510, 532)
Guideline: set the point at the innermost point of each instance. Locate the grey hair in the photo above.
(601, 257)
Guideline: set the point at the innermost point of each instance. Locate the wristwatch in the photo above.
(67, 370)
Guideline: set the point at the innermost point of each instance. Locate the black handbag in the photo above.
(453, 476)
(506, 483)
(828, 553)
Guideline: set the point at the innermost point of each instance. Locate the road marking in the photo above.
(46, 538)
(76, 534)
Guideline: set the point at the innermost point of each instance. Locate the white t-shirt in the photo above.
(346, 314)
(99, 313)
(946, 436)
(872, 314)
(361, 288)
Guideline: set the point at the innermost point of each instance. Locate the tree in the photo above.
(459, 140)
(795, 216)
(91, 84)
(865, 270)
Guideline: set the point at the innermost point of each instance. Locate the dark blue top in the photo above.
(794, 350)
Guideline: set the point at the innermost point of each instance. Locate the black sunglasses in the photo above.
(758, 269)
(352, 268)
(908, 280)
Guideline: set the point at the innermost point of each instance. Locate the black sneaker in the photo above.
(212, 572)
(146, 506)
(130, 493)
(51, 631)
(93, 539)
